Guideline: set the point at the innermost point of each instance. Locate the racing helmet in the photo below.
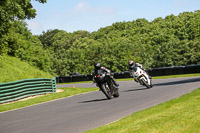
(131, 63)
(97, 66)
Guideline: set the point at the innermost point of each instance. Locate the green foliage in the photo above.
(15, 38)
(169, 41)
(11, 10)
(20, 43)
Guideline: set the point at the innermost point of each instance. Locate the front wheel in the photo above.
(106, 90)
(146, 84)
(151, 84)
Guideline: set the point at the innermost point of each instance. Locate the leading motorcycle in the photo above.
(105, 83)
(142, 77)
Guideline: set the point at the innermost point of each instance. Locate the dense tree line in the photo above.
(169, 41)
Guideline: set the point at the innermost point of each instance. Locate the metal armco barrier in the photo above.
(162, 71)
(16, 90)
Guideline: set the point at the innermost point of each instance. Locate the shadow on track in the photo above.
(95, 100)
(136, 89)
(179, 82)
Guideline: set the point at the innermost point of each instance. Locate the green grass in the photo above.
(181, 115)
(12, 69)
(44, 98)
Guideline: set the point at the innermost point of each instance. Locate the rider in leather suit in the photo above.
(98, 66)
(132, 64)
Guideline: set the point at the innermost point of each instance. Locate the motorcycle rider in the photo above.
(97, 66)
(132, 64)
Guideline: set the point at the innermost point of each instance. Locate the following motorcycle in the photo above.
(105, 84)
(142, 77)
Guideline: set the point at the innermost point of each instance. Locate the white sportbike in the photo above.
(142, 77)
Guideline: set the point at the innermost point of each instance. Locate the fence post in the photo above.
(53, 84)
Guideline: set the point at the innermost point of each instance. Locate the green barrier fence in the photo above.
(16, 90)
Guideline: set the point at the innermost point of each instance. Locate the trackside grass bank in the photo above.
(13, 69)
(180, 115)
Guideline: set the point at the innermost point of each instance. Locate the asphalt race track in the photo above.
(86, 111)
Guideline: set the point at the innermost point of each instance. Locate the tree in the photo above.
(47, 38)
(11, 10)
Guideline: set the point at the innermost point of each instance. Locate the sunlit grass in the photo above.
(181, 115)
(12, 69)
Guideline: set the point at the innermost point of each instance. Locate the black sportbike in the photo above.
(105, 84)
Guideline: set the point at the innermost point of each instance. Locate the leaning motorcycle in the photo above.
(142, 77)
(105, 83)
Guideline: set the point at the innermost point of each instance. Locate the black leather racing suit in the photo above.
(108, 73)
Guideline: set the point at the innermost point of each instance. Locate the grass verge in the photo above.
(180, 115)
(44, 98)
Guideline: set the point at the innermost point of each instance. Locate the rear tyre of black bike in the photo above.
(116, 93)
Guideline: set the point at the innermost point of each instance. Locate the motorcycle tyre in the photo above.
(107, 93)
(116, 94)
(146, 84)
(151, 85)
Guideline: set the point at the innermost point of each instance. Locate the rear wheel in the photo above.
(116, 93)
(106, 90)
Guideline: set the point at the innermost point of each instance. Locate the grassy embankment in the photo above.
(12, 69)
